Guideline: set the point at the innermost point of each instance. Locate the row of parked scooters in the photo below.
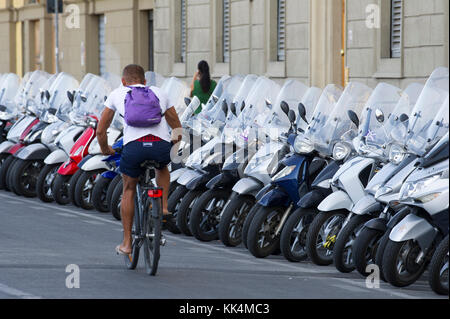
(353, 176)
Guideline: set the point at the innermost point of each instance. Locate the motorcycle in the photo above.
(9, 89)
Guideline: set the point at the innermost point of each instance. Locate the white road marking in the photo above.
(361, 283)
(93, 222)
(350, 288)
(17, 293)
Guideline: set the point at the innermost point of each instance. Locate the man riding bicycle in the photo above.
(141, 144)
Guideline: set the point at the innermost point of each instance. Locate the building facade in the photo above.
(315, 41)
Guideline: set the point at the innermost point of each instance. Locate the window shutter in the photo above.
(281, 30)
(226, 31)
(396, 28)
(183, 31)
(101, 41)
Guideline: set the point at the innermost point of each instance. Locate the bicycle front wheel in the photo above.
(152, 240)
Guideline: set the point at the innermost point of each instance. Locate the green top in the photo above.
(202, 96)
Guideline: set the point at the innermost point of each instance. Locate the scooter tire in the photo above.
(19, 170)
(72, 186)
(99, 194)
(112, 186)
(60, 189)
(42, 180)
(85, 177)
(437, 261)
(365, 249)
(5, 161)
(116, 201)
(185, 209)
(248, 222)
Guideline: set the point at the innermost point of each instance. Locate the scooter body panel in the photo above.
(226, 179)
(247, 186)
(413, 227)
(335, 201)
(93, 163)
(15, 148)
(187, 176)
(67, 139)
(175, 175)
(34, 152)
(379, 224)
(367, 205)
(6, 146)
(16, 130)
(275, 197)
(56, 157)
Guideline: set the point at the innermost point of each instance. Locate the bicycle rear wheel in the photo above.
(152, 231)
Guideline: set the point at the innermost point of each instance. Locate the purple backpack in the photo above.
(142, 108)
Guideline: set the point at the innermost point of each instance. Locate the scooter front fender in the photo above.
(110, 174)
(68, 168)
(247, 186)
(188, 176)
(5, 146)
(379, 224)
(413, 227)
(33, 152)
(94, 163)
(198, 182)
(56, 157)
(177, 173)
(224, 180)
(276, 197)
(335, 201)
(313, 198)
(367, 205)
(15, 148)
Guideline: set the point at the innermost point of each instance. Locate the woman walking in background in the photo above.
(202, 86)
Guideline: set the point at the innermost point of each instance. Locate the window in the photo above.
(101, 45)
(36, 45)
(183, 31)
(226, 31)
(281, 30)
(396, 28)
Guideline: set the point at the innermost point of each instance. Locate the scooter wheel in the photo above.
(261, 238)
(293, 235)
(24, 177)
(438, 279)
(84, 188)
(248, 222)
(233, 217)
(99, 194)
(72, 185)
(60, 189)
(343, 252)
(365, 248)
(5, 162)
(185, 209)
(173, 204)
(45, 182)
(116, 200)
(10, 178)
(110, 191)
(205, 215)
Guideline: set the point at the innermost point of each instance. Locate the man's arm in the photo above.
(103, 125)
(174, 122)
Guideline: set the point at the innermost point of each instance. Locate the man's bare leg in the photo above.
(163, 181)
(127, 209)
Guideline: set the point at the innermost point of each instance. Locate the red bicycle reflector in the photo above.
(155, 193)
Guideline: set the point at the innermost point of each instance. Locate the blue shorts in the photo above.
(135, 153)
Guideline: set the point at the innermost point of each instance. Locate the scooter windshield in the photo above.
(265, 160)
(327, 102)
(421, 134)
(58, 96)
(113, 80)
(310, 101)
(176, 90)
(353, 98)
(153, 79)
(8, 90)
(276, 121)
(372, 135)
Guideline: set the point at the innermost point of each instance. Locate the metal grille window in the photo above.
(281, 30)
(183, 31)
(101, 41)
(226, 31)
(396, 28)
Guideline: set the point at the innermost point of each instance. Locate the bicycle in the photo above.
(146, 232)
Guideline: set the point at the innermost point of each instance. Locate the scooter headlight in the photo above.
(340, 151)
(302, 146)
(284, 172)
(410, 188)
(397, 154)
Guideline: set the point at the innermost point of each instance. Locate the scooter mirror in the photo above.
(233, 108)
(2, 108)
(379, 115)
(285, 107)
(268, 104)
(291, 116)
(52, 111)
(83, 98)
(225, 107)
(353, 117)
(215, 98)
(187, 101)
(302, 112)
(70, 96)
(47, 94)
(404, 118)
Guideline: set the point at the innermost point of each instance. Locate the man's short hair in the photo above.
(134, 73)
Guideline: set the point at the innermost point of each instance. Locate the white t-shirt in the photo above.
(116, 102)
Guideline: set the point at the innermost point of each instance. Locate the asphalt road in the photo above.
(38, 241)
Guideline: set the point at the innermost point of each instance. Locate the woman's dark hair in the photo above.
(205, 77)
